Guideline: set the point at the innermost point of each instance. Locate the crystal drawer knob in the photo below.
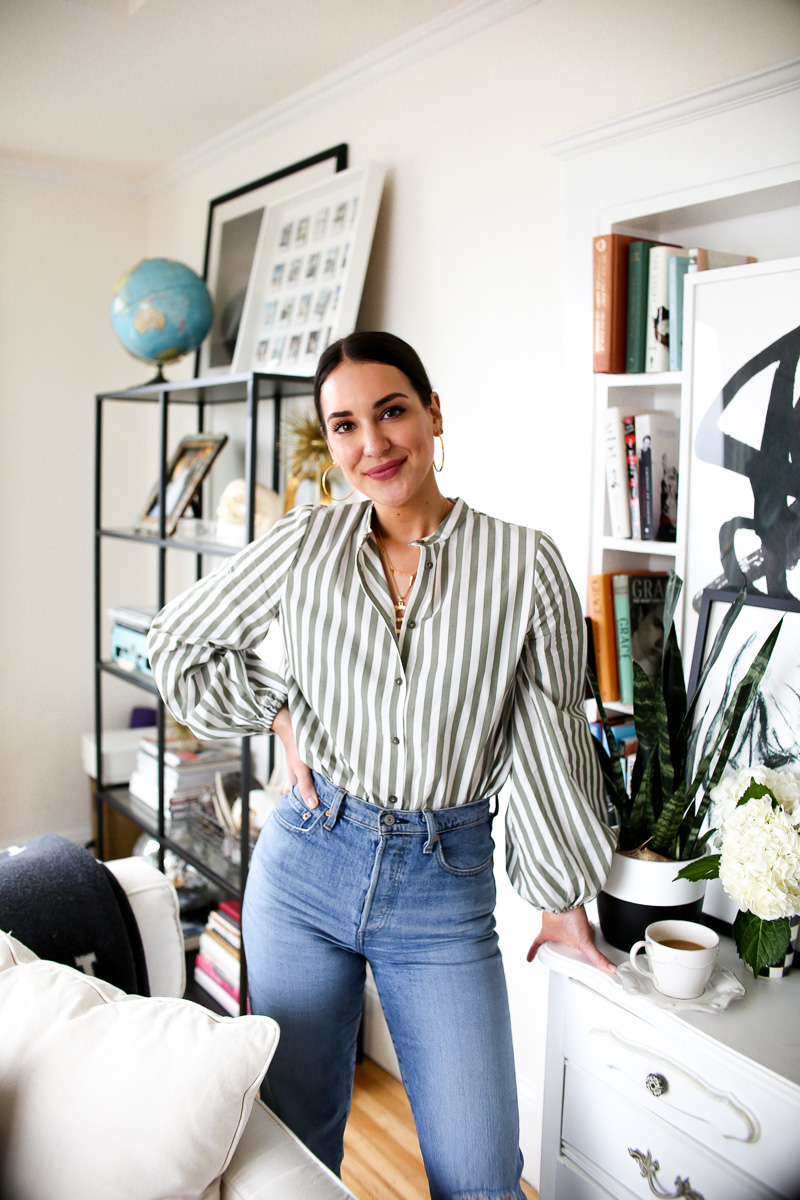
(656, 1084)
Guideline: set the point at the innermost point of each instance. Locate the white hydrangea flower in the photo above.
(760, 858)
(784, 785)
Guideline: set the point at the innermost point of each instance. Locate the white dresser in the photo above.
(643, 1102)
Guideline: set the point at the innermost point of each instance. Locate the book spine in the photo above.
(658, 307)
(601, 615)
(216, 991)
(629, 427)
(678, 268)
(232, 909)
(622, 620)
(224, 962)
(610, 275)
(617, 475)
(636, 332)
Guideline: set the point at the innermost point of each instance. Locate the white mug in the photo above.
(681, 957)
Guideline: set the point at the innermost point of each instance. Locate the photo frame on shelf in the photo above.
(234, 222)
(186, 471)
(308, 274)
(741, 505)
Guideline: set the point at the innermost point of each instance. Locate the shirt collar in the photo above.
(451, 522)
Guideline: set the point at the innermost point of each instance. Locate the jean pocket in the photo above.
(293, 814)
(467, 850)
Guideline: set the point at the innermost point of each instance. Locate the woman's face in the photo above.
(380, 432)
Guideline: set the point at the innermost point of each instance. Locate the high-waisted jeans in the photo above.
(413, 894)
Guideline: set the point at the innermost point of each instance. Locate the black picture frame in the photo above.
(231, 238)
(186, 471)
(770, 734)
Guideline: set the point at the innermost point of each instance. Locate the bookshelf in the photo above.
(249, 406)
(717, 169)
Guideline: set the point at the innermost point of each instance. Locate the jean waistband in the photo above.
(341, 804)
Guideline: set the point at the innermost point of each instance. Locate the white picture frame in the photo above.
(234, 223)
(308, 272)
(741, 349)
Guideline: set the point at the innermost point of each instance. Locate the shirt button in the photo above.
(428, 565)
(393, 799)
(396, 741)
(388, 819)
(412, 624)
(398, 682)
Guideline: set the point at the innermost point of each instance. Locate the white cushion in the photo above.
(116, 1097)
(270, 1163)
(155, 905)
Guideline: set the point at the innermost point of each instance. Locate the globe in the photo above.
(161, 310)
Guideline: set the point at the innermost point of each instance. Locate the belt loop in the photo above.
(333, 811)
(432, 834)
(494, 809)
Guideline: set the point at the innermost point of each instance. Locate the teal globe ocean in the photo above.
(161, 310)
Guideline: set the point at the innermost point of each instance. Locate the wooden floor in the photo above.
(381, 1153)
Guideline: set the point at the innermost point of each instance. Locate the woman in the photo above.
(430, 653)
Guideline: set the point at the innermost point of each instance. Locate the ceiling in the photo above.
(126, 87)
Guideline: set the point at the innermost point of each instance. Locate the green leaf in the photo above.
(754, 792)
(719, 641)
(704, 868)
(761, 943)
(666, 827)
(609, 763)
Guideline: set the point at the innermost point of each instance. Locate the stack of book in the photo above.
(217, 964)
(638, 300)
(641, 452)
(627, 619)
(187, 773)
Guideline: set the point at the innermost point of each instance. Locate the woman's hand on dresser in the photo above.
(297, 772)
(571, 929)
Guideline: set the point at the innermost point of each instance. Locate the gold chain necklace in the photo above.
(400, 605)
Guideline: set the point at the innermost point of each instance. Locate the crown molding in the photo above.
(720, 97)
(434, 35)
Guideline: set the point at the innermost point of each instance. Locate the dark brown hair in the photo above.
(372, 347)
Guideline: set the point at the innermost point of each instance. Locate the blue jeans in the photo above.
(413, 894)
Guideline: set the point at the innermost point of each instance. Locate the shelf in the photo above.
(645, 379)
(175, 542)
(137, 678)
(179, 836)
(629, 546)
(223, 389)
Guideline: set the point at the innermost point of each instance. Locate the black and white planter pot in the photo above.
(638, 892)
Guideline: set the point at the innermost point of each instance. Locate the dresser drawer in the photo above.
(745, 1115)
(600, 1128)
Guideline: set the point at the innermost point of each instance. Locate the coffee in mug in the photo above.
(680, 957)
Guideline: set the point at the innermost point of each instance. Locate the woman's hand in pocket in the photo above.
(297, 772)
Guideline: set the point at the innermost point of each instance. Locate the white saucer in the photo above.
(722, 987)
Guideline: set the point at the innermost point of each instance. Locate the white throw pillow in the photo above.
(116, 1097)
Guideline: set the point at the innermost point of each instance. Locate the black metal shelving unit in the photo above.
(252, 389)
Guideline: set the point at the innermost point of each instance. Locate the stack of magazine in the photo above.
(219, 955)
(187, 772)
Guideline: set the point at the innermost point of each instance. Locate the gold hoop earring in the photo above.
(441, 439)
(323, 484)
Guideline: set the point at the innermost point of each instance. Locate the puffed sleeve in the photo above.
(202, 645)
(558, 840)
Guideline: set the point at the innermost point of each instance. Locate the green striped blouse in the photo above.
(484, 683)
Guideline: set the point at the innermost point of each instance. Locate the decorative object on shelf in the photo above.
(234, 222)
(756, 812)
(308, 273)
(161, 310)
(741, 352)
(186, 471)
(661, 815)
(308, 457)
(232, 507)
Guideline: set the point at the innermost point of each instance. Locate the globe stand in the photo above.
(158, 378)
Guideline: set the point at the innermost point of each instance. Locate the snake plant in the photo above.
(669, 789)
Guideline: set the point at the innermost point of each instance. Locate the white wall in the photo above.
(467, 265)
(62, 247)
